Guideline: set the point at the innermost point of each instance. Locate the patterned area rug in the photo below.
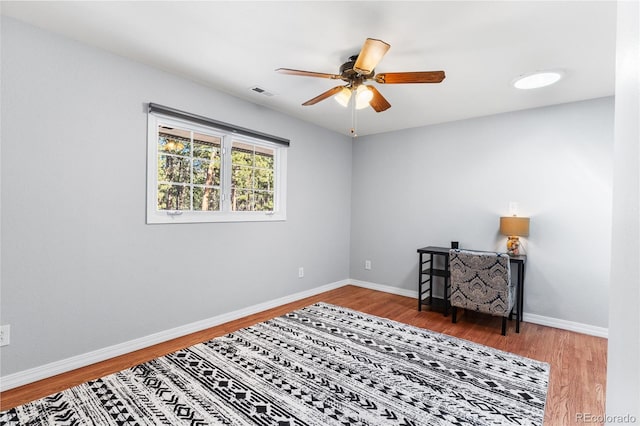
(321, 365)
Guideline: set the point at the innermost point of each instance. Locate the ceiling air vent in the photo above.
(261, 91)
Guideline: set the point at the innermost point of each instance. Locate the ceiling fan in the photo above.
(361, 68)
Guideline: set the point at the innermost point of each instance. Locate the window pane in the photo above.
(206, 198)
(174, 197)
(206, 147)
(242, 154)
(206, 172)
(242, 177)
(253, 170)
(263, 201)
(264, 157)
(241, 200)
(174, 141)
(263, 179)
(174, 169)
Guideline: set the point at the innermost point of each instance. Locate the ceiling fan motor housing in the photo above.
(349, 74)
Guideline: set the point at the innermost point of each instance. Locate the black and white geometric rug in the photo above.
(321, 365)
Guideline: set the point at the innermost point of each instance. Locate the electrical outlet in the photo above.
(367, 265)
(300, 272)
(4, 334)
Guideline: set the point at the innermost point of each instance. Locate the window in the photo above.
(200, 173)
(188, 170)
(252, 178)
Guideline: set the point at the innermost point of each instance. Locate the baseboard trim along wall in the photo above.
(532, 318)
(591, 330)
(31, 375)
(58, 367)
(385, 288)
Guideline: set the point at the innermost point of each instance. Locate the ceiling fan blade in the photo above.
(370, 55)
(323, 96)
(410, 77)
(306, 73)
(378, 102)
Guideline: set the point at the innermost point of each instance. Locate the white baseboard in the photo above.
(532, 318)
(31, 375)
(385, 288)
(577, 327)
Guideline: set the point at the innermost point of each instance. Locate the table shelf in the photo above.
(432, 276)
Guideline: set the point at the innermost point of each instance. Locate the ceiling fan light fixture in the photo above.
(343, 97)
(537, 79)
(363, 96)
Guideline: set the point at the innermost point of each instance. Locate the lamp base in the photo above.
(513, 246)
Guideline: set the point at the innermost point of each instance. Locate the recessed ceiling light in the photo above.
(537, 79)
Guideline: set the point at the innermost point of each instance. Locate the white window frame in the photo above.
(155, 216)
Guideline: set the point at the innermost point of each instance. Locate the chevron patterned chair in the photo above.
(481, 282)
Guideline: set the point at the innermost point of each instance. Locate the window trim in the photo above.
(227, 136)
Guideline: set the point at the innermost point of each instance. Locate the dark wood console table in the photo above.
(428, 270)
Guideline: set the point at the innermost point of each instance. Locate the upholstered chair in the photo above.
(481, 282)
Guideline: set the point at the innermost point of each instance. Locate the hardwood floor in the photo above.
(578, 361)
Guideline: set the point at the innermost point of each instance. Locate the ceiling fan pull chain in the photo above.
(354, 134)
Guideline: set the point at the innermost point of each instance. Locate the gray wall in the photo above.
(432, 185)
(81, 271)
(80, 268)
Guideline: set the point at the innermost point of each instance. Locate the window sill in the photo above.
(208, 217)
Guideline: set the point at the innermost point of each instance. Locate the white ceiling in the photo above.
(234, 46)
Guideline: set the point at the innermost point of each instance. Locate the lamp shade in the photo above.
(363, 96)
(343, 96)
(514, 226)
(371, 53)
